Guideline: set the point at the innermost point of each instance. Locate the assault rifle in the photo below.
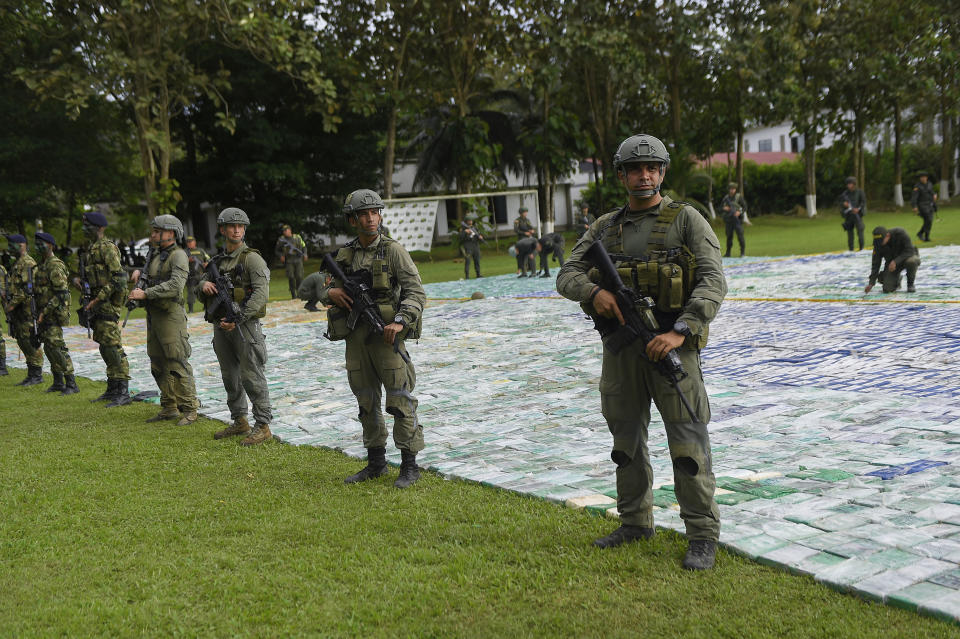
(363, 306)
(86, 296)
(223, 306)
(142, 283)
(295, 251)
(34, 330)
(639, 324)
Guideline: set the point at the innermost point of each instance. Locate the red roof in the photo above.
(760, 157)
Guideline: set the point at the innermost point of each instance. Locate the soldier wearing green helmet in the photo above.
(470, 239)
(667, 251)
(734, 216)
(292, 251)
(20, 283)
(376, 363)
(168, 344)
(241, 346)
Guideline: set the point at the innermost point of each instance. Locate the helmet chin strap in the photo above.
(645, 193)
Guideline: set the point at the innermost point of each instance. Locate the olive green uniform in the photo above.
(108, 285)
(196, 258)
(292, 249)
(372, 364)
(629, 381)
(21, 319)
(470, 247)
(312, 289)
(899, 249)
(242, 352)
(853, 220)
(168, 343)
(733, 223)
(923, 200)
(53, 302)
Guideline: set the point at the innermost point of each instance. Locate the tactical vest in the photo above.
(382, 283)
(239, 275)
(164, 272)
(42, 285)
(99, 274)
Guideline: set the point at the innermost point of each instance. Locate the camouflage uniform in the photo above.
(53, 302)
(629, 380)
(168, 343)
(21, 319)
(3, 301)
(108, 285)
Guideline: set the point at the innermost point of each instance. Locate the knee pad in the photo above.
(620, 458)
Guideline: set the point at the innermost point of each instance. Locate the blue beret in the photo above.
(97, 219)
(46, 237)
(16, 238)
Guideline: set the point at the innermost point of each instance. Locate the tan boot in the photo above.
(187, 418)
(240, 426)
(261, 433)
(166, 414)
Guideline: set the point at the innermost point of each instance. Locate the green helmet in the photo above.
(641, 148)
(732, 185)
(169, 223)
(361, 200)
(233, 215)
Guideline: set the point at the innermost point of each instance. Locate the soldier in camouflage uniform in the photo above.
(20, 280)
(53, 308)
(380, 362)
(241, 347)
(651, 240)
(197, 260)
(924, 203)
(108, 285)
(292, 251)
(168, 343)
(3, 301)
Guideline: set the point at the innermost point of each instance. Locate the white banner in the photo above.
(412, 223)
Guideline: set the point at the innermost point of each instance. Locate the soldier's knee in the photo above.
(620, 458)
(688, 459)
(687, 465)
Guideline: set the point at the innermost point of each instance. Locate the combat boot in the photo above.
(376, 466)
(701, 554)
(165, 415)
(187, 418)
(69, 385)
(121, 395)
(624, 535)
(409, 471)
(34, 376)
(3, 365)
(240, 426)
(57, 384)
(260, 433)
(109, 393)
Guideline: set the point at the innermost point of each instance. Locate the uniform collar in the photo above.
(236, 253)
(372, 245)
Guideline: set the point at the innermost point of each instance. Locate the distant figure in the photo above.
(854, 207)
(523, 229)
(584, 220)
(197, 260)
(292, 251)
(470, 239)
(312, 289)
(924, 203)
(734, 217)
(893, 246)
(527, 250)
(551, 244)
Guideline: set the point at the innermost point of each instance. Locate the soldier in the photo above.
(53, 308)
(108, 287)
(470, 239)
(899, 254)
(924, 203)
(854, 204)
(240, 346)
(312, 288)
(20, 289)
(197, 259)
(527, 249)
(3, 302)
(524, 229)
(376, 362)
(584, 220)
(292, 251)
(734, 210)
(551, 245)
(168, 344)
(653, 228)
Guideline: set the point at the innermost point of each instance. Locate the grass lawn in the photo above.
(113, 527)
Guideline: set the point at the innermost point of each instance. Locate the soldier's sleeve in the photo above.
(17, 286)
(259, 274)
(710, 285)
(60, 289)
(572, 281)
(118, 277)
(915, 196)
(412, 296)
(172, 288)
(875, 267)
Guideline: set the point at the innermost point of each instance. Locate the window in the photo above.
(794, 144)
(765, 145)
(500, 209)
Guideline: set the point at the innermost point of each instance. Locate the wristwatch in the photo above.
(681, 327)
(399, 320)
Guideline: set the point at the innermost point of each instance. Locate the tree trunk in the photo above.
(739, 157)
(810, 167)
(897, 157)
(71, 205)
(946, 153)
(389, 152)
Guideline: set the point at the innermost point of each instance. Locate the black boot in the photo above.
(122, 396)
(409, 471)
(34, 376)
(3, 365)
(69, 385)
(376, 466)
(57, 385)
(701, 555)
(623, 535)
(109, 393)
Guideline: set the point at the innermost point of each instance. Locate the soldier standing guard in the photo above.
(168, 344)
(733, 218)
(584, 220)
(20, 283)
(380, 362)
(240, 346)
(108, 287)
(924, 203)
(197, 260)
(652, 239)
(470, 239)
(3, 301)
(53, 308)
(292, 251)
(854, 203)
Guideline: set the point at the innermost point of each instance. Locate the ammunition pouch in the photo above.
(666, 276)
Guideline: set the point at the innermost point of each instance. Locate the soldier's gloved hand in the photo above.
(339, 297)
(606, 305)
(209, 288)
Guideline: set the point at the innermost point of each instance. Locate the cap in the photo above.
(923, 173)
(189, 238)
(95, 218)
(851, 180)
(16, 238)
(879, 232)
(286, 227)
(46, 237)
(524, 209)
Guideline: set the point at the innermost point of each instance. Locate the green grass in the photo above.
(113, 527)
